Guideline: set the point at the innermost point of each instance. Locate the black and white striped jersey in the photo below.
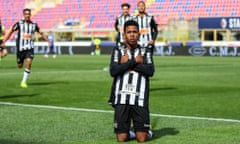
(148, 29)
(131, 80)
(25, 34)
(119, 24)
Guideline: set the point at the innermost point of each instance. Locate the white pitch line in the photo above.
(56, 107)
(109, 111)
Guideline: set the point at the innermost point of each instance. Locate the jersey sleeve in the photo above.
(115, 67)
(15, 26)
(147, 68)
(37, 28)
(116, 25)
(154, 28)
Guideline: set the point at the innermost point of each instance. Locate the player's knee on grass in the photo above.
(141, 136)
(122, 137)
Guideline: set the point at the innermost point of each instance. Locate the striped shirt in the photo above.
(25, 34)
(148, 29)
(119, 24)
(131, 85)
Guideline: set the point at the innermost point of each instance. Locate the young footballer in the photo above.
(125, 16)
(131, 66)
(25, 31)
(147, 26)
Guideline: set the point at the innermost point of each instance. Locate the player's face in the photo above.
(125, 10)
(27, 15)
(131, 35)
(141, 7)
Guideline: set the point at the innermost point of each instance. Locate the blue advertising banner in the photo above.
(219, 23)
(192, 48)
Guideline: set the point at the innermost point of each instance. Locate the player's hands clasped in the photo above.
(125, 57)
(139, 59)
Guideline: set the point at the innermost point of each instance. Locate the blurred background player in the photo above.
(147, 25)
(24, 43)
(51, 48)
(125, 16)
(3, 51)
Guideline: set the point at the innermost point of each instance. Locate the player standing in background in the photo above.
(119, 23)
(24, 43)
(147, 25)
(3, 51)
(50, 49)
(125, 16)
(131, 66)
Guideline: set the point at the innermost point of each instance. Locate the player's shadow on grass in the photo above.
(18, 95)
(163, 88)
(164, 132)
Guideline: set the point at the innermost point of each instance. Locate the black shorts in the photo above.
(22, 55)
(125, 113)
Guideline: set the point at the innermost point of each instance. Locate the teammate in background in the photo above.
(24, 43)
(3, 51)
(147, 25)
(50, 49)
(125, 16)
(131, 66)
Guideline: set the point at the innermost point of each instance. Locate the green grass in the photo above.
(186, 86)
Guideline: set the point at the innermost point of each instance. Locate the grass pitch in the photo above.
(182, 86)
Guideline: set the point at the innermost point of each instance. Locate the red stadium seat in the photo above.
(102, 14)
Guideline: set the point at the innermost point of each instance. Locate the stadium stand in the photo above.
(79, 22)
(101, 14)
(11, 11)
